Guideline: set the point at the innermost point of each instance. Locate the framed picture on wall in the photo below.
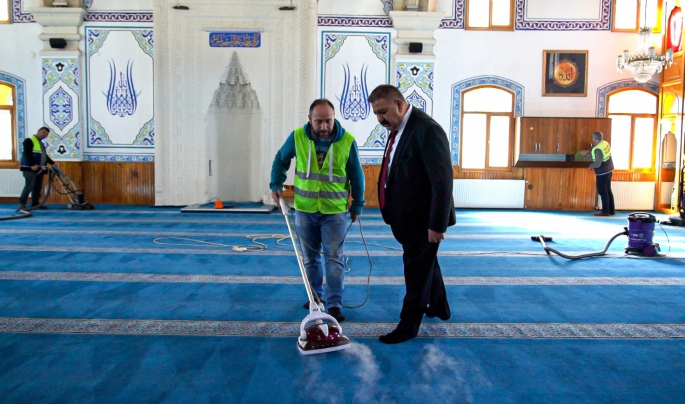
(564, 73)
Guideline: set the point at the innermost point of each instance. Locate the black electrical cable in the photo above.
(588, 255)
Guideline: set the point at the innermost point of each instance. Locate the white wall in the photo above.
(20, 57)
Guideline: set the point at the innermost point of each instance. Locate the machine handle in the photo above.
(210, 168)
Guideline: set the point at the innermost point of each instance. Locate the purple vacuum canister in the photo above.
(641, 230)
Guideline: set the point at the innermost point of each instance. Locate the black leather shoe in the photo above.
(336, 313)
(39, 207)
(306, 304)
(601, 214)
(395, 337)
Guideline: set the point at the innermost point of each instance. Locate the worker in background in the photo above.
(603, 166)
(327, 168)
(34, 158)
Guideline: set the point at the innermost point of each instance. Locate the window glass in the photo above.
(5, 134)
(4, 11)
(501, 10)
(642, 148)
(488, 99)
(625, 14)
(479, 13)
(474, 133)
(632, 102)
(620, 141)
(6, 95)
(499, 141)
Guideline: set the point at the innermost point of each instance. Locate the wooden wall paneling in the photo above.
(516, 173)
(580, 189)
(541, 193)
(119, 183)
(560, 189)
(371, 192)
(633, 177)
(74, 171)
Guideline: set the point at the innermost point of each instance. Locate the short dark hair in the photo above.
(44, 127)
(387, 92)
(320, 101)
(598, 135)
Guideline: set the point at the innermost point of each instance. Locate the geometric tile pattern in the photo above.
(454, 22)
(359, 330)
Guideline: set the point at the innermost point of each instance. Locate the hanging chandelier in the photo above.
(645, 62)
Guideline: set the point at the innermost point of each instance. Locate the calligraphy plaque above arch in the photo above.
(235, 40)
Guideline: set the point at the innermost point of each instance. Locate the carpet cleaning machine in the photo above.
(640, 232)
(65, 186)
(319, 332)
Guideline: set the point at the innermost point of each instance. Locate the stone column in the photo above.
(60, 73)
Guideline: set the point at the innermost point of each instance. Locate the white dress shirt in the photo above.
(398, 136)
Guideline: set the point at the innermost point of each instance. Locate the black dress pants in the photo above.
(425, 288)
(605, 194)
(33, 184)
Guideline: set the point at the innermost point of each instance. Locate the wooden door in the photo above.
(371, 174)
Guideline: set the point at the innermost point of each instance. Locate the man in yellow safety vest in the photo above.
(327, 171)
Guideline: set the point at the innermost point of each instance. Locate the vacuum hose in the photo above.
(542, 240)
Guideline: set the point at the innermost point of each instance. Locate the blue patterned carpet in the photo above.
(111, 306)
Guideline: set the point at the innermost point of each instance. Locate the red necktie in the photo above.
(384, 169)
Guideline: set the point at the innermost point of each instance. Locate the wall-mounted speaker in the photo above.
(58, 43)
(415, 47)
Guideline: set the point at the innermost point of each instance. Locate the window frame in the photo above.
(634, 116)
(489, 114)
(490, 27)
(14, 161)
(9, 13)
(655, 29)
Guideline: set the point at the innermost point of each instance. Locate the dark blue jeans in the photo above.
(320, 231)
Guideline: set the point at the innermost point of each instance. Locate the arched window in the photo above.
(487, 129)
(7, 146)
(633, 129)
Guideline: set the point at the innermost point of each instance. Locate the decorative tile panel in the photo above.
(20, 16)
(119, 88)
(352, 64)
(61, 106)
(456, 21)
(460, 87)
(603, 24)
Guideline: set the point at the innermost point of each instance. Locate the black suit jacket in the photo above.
(418, 192)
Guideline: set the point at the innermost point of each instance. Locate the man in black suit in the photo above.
(415, 195)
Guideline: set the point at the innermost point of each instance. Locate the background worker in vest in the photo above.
(603, 166)
(327, 169)
(33, 161)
